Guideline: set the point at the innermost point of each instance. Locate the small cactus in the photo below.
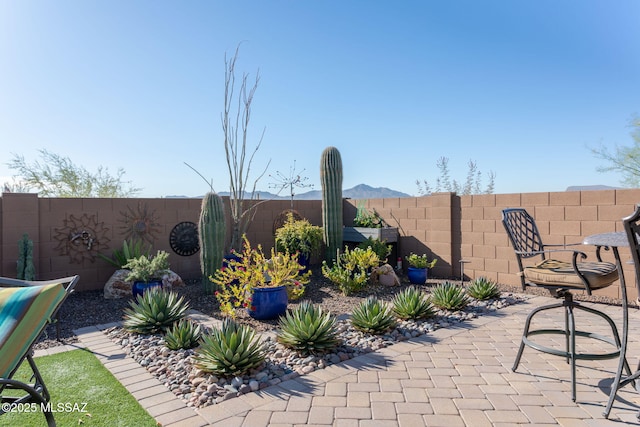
(25, 267)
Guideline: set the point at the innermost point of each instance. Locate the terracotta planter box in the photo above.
(360, 234)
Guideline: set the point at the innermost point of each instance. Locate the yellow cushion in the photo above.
(560, 273)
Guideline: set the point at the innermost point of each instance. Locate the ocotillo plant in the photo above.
(211, 234)
(331, 180)
(25, 267)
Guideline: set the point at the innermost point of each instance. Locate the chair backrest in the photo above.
(26, 308)
(523, 232)
(632, 228)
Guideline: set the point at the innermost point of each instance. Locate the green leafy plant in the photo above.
(145, 268)
(380, 247)
(420, 261)
(308, 329)
(253, 270)
(154, 312)
(367, 218)
(449, 296)
(232, 349)
(372, 316)
(483, 288)
(298, 236)
(184, 334)
(412, 303)
(120, 257)
(351, 270)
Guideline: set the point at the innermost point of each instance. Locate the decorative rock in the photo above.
(117, 287)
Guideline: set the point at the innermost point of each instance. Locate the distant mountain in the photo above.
(591, 187)
(360, 191)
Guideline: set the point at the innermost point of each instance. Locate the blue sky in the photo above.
(521, 88)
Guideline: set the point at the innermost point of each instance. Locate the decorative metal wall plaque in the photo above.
(81, 238)
(184, 238)
(139, 224)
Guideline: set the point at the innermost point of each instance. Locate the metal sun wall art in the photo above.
(81, 238)
(184, 238)
(139, 224)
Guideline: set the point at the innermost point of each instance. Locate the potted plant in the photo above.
(147, 271)
(299, 236)
(369, 224)
(418, 266)
(259, 284)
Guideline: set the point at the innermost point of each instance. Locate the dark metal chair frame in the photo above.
(35, 392)
(525, 238)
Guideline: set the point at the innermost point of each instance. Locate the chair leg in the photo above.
(569, 331)
(527, 326)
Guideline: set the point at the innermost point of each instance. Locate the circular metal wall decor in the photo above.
(184, 238)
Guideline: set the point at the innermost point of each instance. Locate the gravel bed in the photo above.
(90, 308)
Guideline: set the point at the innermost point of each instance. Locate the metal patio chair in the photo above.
(560, 278)
(26, 308)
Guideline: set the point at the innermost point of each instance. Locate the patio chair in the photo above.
(560, 278)
(26, 308)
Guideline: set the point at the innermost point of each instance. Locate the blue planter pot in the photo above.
(268, 303)
(417, 276)
(304, 261)
(138, 288)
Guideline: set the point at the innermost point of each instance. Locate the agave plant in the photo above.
(184, 334)
(154, 312)
(483, 288)
(372, 316)
(449, 296)
(412, 303)
(308, 329)
(232, 349)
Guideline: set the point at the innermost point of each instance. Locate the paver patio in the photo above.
(458, 376)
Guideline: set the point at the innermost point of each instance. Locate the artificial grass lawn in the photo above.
(74, 378)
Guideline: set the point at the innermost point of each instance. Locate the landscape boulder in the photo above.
(117, 287)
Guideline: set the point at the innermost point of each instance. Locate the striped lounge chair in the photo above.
(26, 308)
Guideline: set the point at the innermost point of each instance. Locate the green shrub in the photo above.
(308, 329)
(412, 303)
(233, 349)
(380, 247)
(351, 270)
(372, 316)
(120, 257)
(449, 296)
(483, 288)
(154, 312)
(184, 334)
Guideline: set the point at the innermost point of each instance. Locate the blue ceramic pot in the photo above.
(268, 303)
(417, 276)
(304, 261)
(138, 288)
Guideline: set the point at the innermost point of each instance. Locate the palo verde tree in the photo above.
(472, 184)
(58, 176)
(625, 160)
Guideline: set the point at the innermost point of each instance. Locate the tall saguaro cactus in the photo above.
(331, 180)
(211, 233)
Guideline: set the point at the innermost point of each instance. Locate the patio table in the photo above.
(614, 241)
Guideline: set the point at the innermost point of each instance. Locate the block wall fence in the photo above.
(446, 226)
